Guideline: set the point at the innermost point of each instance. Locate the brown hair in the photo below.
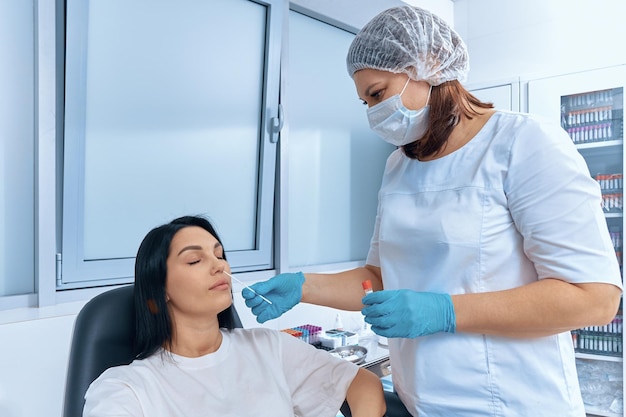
(449, 102)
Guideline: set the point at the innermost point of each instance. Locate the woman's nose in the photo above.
(217, 266)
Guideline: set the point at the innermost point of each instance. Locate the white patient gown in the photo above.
(255, 372)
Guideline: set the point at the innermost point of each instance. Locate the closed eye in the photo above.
(193, 262)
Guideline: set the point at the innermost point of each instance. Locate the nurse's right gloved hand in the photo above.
(284, 291)
(407, 313)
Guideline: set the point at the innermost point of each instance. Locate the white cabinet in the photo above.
(504, 94)
(590, 106)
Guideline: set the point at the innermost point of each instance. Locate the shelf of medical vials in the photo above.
(617, 214)
(594, 357)
(593, 412)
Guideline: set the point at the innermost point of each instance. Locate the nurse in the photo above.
(489, 245)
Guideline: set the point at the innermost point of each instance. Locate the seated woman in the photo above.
(191, 360)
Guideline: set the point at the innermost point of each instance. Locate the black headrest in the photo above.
(103, 337)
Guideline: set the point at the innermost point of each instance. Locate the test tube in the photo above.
(367, 286)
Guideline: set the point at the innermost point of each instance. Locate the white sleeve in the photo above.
(108, 396)
(318, 381)
(556, 206)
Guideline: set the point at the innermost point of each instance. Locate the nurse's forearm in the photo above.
(342, 290)
(543, 308)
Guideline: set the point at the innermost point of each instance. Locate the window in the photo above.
(17, 149)
(335, 161)
(119, 116)
(168, 111)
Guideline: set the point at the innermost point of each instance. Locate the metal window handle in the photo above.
(277, 124)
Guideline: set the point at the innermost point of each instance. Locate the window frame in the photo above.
(76, 272)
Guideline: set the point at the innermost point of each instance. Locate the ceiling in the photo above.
(356, 13)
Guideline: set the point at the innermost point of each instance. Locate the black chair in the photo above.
(103, 337)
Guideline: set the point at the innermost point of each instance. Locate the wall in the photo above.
(538, 38)
(358, 13)
(32, 366)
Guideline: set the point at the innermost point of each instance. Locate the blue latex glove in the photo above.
(407, 313)
(284, 291)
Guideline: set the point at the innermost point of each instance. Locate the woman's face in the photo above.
(196, 286)
(374, 86)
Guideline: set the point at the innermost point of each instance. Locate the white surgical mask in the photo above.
(395, 123)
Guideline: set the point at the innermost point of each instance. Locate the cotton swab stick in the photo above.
(262, 298)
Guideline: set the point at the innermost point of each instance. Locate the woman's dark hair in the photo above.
(449, 102)
(153, 324)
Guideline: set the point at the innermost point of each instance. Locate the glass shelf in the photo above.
(604, 144)
(592, 412)
(594, 357)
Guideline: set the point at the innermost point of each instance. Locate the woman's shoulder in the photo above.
(523, 122)
(136, 368)
(512, 130)
(253, 332)
(256, 334)
(396, 158)
(124, 377)
(263, 337)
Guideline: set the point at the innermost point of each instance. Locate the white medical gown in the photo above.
(514, 205)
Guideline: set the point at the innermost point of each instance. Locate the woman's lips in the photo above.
(221, 286)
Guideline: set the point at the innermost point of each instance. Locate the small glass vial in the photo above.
(367, 286)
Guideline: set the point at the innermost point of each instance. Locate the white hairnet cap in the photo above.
(413, 41)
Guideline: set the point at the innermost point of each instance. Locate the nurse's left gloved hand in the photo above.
(409, 314)
(284, 291)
